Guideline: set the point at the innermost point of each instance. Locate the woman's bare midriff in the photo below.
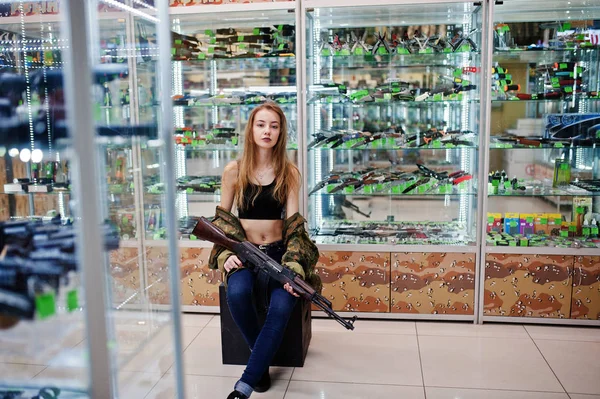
(262, 231)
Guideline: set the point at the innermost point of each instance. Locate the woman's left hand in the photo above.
(289, 289)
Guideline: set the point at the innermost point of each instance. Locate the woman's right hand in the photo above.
(233, 262)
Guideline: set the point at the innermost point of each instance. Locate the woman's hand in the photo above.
(289, 289)
(233, 262)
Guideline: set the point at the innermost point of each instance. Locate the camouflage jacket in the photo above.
(301, 254)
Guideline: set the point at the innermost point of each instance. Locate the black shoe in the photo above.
(264, 383)
(237, 395)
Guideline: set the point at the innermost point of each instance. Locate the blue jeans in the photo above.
(262, 342)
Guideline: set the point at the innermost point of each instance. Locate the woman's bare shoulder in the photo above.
(231, 169)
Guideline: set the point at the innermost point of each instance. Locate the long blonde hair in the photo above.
(287, 175)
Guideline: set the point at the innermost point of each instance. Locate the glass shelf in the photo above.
(228, 105)
(570, 191)
(540, 56)
(190, 148)
(390, 192)
(556, 146)
(397, 60)
(37, 194)
(235, 64)
(396, 103)
(578, 98)
(375, 147)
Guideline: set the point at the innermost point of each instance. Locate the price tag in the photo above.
(72, 300)
(193, 237)
(564, 233)
(45, 305)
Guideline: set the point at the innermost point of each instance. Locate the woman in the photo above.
(264, 186)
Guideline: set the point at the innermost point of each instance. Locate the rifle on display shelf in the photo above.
(258, 261)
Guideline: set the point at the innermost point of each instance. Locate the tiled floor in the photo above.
(380, 359)
(399, 359)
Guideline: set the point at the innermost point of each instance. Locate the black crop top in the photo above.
(265, 207)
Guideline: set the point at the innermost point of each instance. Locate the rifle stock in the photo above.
(259, 261)
(207, 231)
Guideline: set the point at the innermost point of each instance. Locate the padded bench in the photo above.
(294, 346)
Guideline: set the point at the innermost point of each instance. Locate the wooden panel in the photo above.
(355, 281)
(586, 288)
(199, 284)
(433, 283)
(528, 285)
(124, 270)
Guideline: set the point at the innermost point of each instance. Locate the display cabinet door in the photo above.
(528, 285)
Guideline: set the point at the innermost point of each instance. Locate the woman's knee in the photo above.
(282, 304)
(239, 286)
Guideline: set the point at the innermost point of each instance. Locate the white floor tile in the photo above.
(366, 326)
(485, 363)
(157, 355)
(72, 377)
(471, 330)
(361, 358)
(204, 387)
(23, 346)
(136, 385)
(195, 319)
(215, 322)
(203, 357)
(19, 372)
(332, 390)
(577, 364)
(457, 393)
(560, 333)
(583, 396)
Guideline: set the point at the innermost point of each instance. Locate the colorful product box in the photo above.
(540, 225)
(554, 222)
(527, 224)
(581, 207)
(494, 222)
(512, 223)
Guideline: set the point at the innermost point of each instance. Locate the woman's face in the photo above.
(266, 128)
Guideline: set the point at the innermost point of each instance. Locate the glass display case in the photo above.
(393, 124)
(80, 141)
(224, 65)
(543, 171)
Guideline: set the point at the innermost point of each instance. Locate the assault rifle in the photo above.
(257, 261)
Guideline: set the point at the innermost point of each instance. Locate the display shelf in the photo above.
(545, 56)
(576, 98)
(398, 195)
(577, 251)
(376, 147)
(430, 60)
(555, 146)
(239, 63)
(421, 248)
(37, 194)
(211, 148)
(544, 191)
(400, 103)
(374, 242)
(229, 105)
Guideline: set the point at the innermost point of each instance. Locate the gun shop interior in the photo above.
(449, 154)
